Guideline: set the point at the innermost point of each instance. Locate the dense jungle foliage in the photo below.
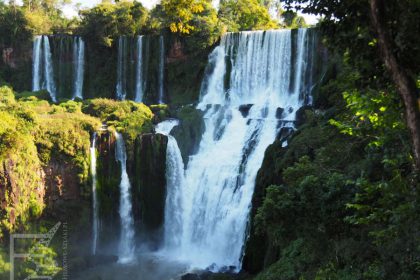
(341, 201)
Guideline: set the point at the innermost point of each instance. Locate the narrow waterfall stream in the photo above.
(121, 89)
(161, 70)
(140, 77)
(126, 244)
(48, 70)
(79, 61)
(95, 221)
(242, 120)
(36, 64)
(174, 183)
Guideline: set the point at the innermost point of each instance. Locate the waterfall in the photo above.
(140, 81)
(216, 4)
(174, 183)
(247, 97)
(126, 246)
(122, 68)
(95, 221)
(36, 66)
(161, 69)
(49, 71)
(43, 73)
(59, 67)
(78, 61)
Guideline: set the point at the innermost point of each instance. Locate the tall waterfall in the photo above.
(79, 61)
(122, 68)
(95, 221)
(126, 246)
(58, 66)
(36, 66)
(254, 84)
(49, 71)
(174, 183)
(161, 69)
(140, 79)
(43, 73)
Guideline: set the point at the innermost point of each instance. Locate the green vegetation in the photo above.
(245, 15)
(128, 117)
(342, 200)
(36, 136)
(190, 28)
(105, 22)
(33, 135)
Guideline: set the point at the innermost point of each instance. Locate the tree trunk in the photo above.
(406, 86)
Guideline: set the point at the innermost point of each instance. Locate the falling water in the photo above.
(48, 70)
(139, 71)
(79, 61)
(250, 70)
(36, 67)
(216, 4)
(122, 68)
(43, 73)
(161, 69)
(174, 183)
(126, 246)
(95, 223)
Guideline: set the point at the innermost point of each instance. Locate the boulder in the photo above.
(244, 109)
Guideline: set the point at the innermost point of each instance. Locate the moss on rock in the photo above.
(189, 131)
(149, 184)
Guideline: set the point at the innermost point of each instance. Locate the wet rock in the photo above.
(279, 113)
(189, 131)
(244, 109)
(149, 183)
(108, 180)
(301, 115)
(285, 133)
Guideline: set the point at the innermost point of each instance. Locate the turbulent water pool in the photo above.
(145, 266)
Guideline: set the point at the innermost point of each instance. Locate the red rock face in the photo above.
(8, 58)
(176, 53)
(62, 184)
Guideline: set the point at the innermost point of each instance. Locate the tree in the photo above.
(241, 15)
(406, 85)
(369, 25)
(14, 27)
(179, 15)
(107, 21)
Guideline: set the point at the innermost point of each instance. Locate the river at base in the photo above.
(146, 266)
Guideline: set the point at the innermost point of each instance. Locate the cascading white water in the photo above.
(215, 4)
(48, 70)
(174, 183)
(161, 69)
(122, 68)
(140, 81)
(43, 73)
(95, 221)
(220, 178)
(126, 245)
(36, 66)
(79, 63)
